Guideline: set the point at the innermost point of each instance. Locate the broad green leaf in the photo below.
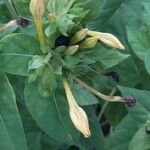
(49, 143)
(145, 14)
(128, 73)
(5, 16)
(127, 15)
(51, 114)
(47, 83)
(34, 140)
(109, 8)
(56, 6)
(141, 111)
(10, 118)
(36, 62)
(29, 124)
(22, 7)
(94, 7)
(140, 140)
(147, 61)
(96, 140)
(139, 41)
(17, 49)
(107, 57)
(114, 113)
(121, 136)
(83, 96)
(5, 140)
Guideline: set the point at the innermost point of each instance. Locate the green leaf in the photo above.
(141, 111)
(6, 16)
(34, 140)
(22, 7)
(5, 139)
(36, 62)
(147, 61)
(129, 74)
(47, 83)
(94, 7)
(17, 49)
(96, 140)
(140, 140)
(109, 8)
(121, 136)
(115, 112)
(139, 41)
(10, 118)
(67, 13)
(107, 57)
(51, 114)
(56, 6)
(83, 96)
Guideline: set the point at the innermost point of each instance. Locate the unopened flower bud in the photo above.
(22, 22)
(37, 8)
(130, 101)
(51, 17)
(107, 38)
(71, 50)
(79, 36)
(88, 43)
(77, 114)
(10, 24)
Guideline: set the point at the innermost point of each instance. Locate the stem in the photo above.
(11, 9)
(106, 104)
(102, 96)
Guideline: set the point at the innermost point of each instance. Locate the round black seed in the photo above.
(62, 41)
(147, 129)
(130, 101)
(114, 75)
(22, 22)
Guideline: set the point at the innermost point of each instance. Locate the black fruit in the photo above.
(62, 41)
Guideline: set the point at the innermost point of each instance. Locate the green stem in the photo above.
(11, 9)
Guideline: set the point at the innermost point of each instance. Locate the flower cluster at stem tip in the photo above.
(83, 39)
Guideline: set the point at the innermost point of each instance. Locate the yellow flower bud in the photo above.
(37, 8)
(79, 36)
(51, 17)
(71, 50)
(107, 38)
(88, 43)
(77, 114)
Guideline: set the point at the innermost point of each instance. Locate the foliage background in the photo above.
(42, 124)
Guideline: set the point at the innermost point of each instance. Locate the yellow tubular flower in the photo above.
(107, 38)
(77, 114)
(37, 8)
